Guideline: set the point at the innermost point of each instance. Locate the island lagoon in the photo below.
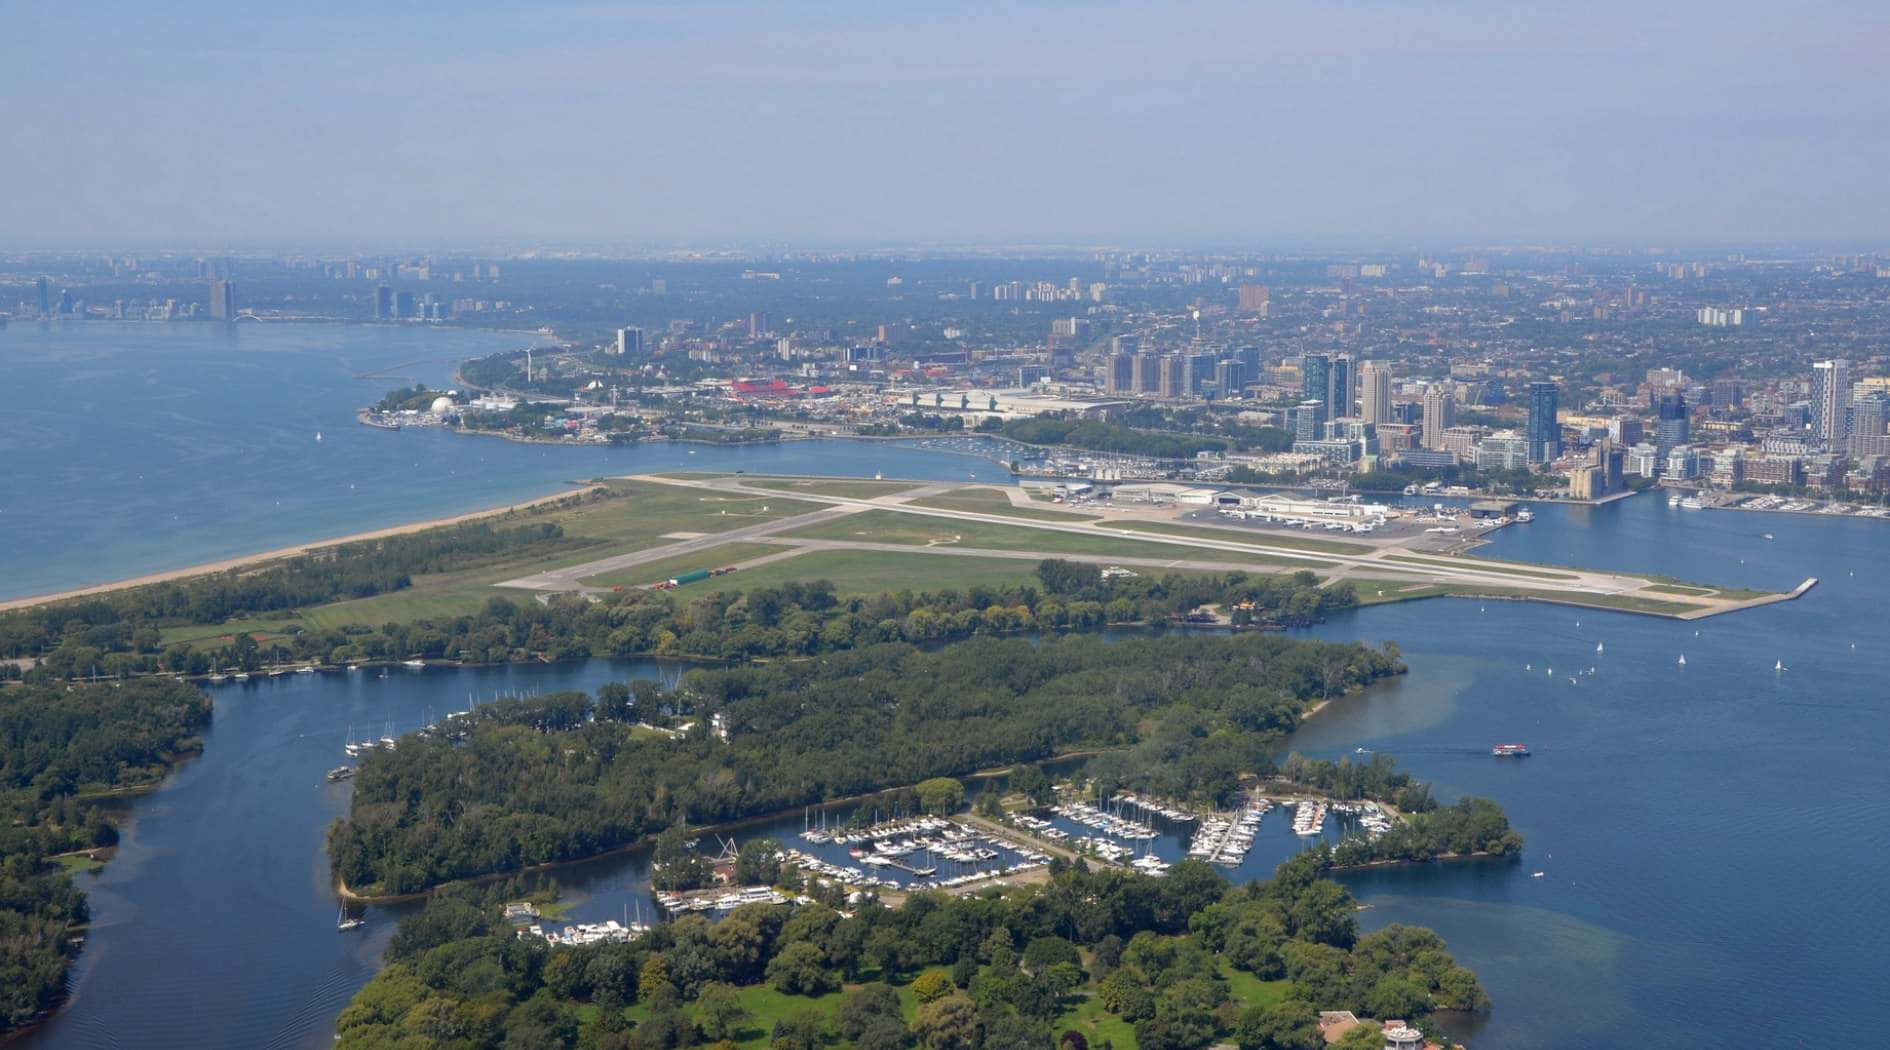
(1710, 836)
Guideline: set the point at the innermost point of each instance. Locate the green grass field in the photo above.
(658, 571)
(1098, 1025)
(885, 526)
(79, 863)
(1675, 588)
(845, 488)
(1252, 991)
(993, 501)
(1481, 565)
(1379, 592)
(881, 572)
(1260, 537)
(1624, 602)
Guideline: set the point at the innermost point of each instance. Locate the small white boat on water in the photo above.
(1683, 659)
(1600, 648)
(1779, 665)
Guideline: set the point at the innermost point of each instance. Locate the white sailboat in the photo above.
(1683, 659)
(343, 923)
(1778, 665)
(1600, 648)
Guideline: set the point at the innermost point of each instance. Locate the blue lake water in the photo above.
(135, 448)
(1712, 837)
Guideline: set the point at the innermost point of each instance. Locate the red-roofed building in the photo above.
(762, 388)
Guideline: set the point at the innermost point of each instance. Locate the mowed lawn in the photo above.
(845, 488)
(766, 1007)
(1481, 565)
(658, 571)
(1258, 537)
(882, 572)
(886, 526)
(986, 500)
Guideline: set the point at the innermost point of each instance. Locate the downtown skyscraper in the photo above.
(1830, 403)
(1375, 392)
(1545, 433)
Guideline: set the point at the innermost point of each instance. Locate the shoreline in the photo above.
(246, 560)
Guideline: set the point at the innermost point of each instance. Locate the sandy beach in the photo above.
(288, 552)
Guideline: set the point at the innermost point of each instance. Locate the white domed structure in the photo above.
(441, 406)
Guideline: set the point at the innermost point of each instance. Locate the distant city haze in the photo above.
(1221, 121)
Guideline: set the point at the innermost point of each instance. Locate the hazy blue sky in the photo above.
(854, 120)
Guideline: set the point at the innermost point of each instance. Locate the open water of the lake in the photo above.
(136, 448)
(1712, 838)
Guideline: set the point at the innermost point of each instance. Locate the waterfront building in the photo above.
(1315, 372)
(1504, 450)
(1440, 413)
(223, 300)
(1830, 401)
(1643, 460)
(1119, 375)
(1625, 431)
(1375, 391)
(1334, 451)
(1870, 419)
(1682, 463)
(1674, 425)
(1776, 470)
(1397, 437)
(1307, 420)
(42, 296)
(1339, 387)
(383, 302)
(1544, 432)
(1463, 440)
(1430, 459)
(1361, 432)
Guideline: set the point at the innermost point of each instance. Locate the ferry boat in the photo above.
(341, 773)
(1510, 751)
(1524, 517)
(1691, 503)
